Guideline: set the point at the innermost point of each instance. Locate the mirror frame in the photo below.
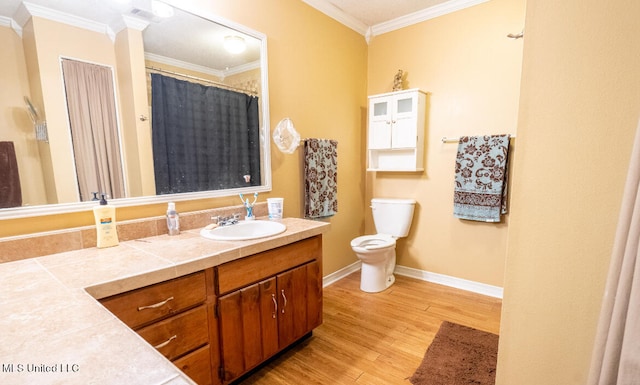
(265, 137)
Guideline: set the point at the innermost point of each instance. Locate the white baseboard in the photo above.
(339, 274)
(447, 280)
(458, 283)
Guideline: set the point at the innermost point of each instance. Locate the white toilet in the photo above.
(392, 218)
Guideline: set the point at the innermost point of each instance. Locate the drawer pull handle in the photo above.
(155, 305)
(275, 306)
(285, 301)
(165, 343)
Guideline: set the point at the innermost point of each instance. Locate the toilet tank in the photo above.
(392, 216)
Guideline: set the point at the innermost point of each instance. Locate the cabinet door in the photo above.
(231, 334)
(300, 292)
(403, 132)
(314, 295)
(380, 123)
(248, 328)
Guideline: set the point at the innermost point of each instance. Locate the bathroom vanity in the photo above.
(137, 312)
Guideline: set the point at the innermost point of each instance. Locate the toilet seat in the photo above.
(373, 242)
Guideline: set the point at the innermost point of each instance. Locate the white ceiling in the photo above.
(374, 17)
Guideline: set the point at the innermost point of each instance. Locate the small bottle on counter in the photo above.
(173, 220)
(105, 216)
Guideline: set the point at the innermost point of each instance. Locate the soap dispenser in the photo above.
(173, 220)
(105, 216)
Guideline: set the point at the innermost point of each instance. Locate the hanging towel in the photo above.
(321, 178)
(10, 191)
(480, 192)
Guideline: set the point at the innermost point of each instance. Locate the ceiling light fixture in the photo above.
(161, 9)
(234, 44)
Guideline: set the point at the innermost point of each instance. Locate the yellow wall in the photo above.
(579, 108)
(15, 124)
(133, 103)
(472, 72)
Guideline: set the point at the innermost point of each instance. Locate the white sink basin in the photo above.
(244, 230)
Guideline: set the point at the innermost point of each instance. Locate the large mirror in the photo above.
(166, 67)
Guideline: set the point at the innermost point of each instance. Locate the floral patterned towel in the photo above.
(321, 178)
(481, 178)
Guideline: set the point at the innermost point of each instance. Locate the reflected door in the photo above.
(91, 106)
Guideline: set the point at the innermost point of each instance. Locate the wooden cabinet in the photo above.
(396, 131)
(217, 324)
(280, 303)
(173, 317)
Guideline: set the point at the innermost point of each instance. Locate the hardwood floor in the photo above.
(376, 338)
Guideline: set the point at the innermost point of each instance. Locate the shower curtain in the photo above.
(204, 138)
(616, 355)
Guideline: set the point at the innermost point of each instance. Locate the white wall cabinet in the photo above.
(396, 131)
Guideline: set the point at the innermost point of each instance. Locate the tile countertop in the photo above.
(55, 332)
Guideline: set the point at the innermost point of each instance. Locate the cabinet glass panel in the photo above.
(380, 109)
(405, 105)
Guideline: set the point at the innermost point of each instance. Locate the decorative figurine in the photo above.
(397, 81)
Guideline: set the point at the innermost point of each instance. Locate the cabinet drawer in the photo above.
(180, 334)
(197, 365)
(143, 306)
(246, 271)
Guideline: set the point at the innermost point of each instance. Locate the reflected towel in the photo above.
(10, 192)
(321, 178)
(480, 192)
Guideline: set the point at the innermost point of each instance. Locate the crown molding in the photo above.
(424, 15)
(61, 17)
(404, 21)
(182, 64)
(134, 23)
(10, 23)
(128, 22)
(339, 15)
(242, 68)
(202, 69)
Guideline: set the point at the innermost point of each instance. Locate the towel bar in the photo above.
(452, 140)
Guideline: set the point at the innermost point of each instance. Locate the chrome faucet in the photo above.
(226, 221)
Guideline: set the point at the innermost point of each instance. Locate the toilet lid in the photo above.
(374, 242)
